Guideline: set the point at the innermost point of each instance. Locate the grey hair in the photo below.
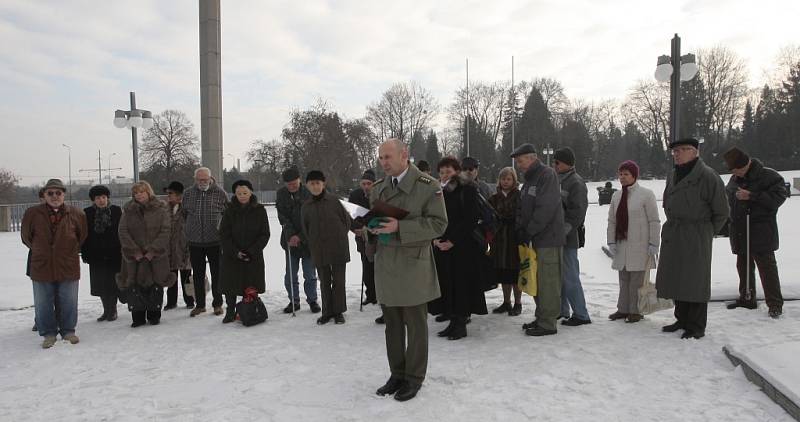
(202, 169)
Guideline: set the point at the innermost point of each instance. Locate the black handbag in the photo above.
(144, 298)
(251, 312)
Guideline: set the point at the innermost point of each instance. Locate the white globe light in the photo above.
(135, 121)
(119, 122)
(688, 71)
(663, 72)
(147, 122)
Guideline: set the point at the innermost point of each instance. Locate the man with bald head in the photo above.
(203, 205)
(405, 273)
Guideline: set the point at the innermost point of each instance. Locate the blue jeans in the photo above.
(45, 295)
(571, 289)
(309, 275)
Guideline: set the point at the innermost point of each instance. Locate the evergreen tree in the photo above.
(481, 147)
(432, 154)
(512, 113)
(535, 126)
(575, 135)
(749, 141)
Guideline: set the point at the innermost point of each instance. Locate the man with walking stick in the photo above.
(360, 197)
(755, 193)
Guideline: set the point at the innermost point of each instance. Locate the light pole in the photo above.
(262, 163)
(69, 160)
(134, 119)
(675, 68)
(109, 166)
(548, 151)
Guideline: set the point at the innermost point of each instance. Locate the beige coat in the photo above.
(644, 228)
(145, 229)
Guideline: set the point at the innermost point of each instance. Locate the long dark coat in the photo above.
(289, 206)
(325, 224)
(359, 197)
(145, 228)
(243, 228)
(463, 268)
(767, 193)
(504, 252)
(102, 252)
(696, 209)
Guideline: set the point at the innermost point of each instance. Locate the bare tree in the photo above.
(169, 144)
(361, 138)
(647, 105)
(403, 110)
(485, 107)
(8, 186)
(725, 76)
(787, 58)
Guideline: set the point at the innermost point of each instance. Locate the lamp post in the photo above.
(134, 119)
(675, 68)
(69, 160)
(109, 166)
(548, 151)
(262, 163)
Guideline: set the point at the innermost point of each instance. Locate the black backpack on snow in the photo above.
(251, 312)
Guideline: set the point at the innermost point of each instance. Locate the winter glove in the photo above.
(652, 250)
(612, 247)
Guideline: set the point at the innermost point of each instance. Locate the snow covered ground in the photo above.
(292, 369)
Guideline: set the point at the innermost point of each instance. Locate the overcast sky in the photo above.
(65, 66)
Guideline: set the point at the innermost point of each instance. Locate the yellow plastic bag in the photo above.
(527, 270)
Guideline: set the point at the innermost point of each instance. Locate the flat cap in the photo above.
(685, 141)
(523, 149)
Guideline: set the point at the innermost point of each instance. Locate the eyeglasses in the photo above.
(55, 193)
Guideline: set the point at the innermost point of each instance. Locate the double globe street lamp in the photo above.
(675, 69)
(134, 119)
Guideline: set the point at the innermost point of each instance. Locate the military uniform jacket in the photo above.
(405, 272)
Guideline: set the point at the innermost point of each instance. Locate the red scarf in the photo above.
(55, 217)
(622, 216)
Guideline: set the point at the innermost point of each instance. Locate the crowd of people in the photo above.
(427, 246)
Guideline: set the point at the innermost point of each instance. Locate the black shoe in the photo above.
(459, 331)
(675, 326)
(339, 319)
(617, 315)
(575, 321)
(390, 387)
(380, 320)
(288, 309)
(446, 331)
(315, 309)
(102, 318)
(407, 392)
(516, 310)
(442, 318)
(505, 307)
(324, 319)
(775, 312)
(112, 316)
(751, 304)
(170, 306)
(529, 325)
(539, 331)
(35, 328)
(562, 317)
(634, 318)
(693, 334)
(138, 324)
(190, 305)
(155, 321)
(230, 316)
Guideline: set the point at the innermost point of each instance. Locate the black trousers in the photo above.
(768, 270)
(109, 304)
(331, 286)
(198, 255)
(368, 276)
(172, 292)
(142, 316)
(692, 315)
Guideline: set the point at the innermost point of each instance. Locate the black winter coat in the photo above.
(505, 254)
(243, 228)
(464, 269)
(325, 224)
(360, 198)
(289, 206)
(767, 193)
(102, 248)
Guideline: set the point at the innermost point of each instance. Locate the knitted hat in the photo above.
(565, 155)
(469, 163)
(292, 173)
(423, 166)
(735, 158)
(369, 174)
(241, 182)
(55, 184)
(99, 190)
(174, 186)
(631, 167)
(315, 175)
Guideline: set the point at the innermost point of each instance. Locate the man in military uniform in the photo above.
(405, 273)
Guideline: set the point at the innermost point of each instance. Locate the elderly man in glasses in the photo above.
(54, 232)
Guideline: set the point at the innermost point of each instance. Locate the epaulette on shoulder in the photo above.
(378, 181)
(425, 179)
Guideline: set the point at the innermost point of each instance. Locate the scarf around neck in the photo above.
(621, 232)
(102, 219)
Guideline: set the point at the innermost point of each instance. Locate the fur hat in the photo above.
(98, 190)
(735, 158)
(315, 175)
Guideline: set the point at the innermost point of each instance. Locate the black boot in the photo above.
(138, 318)
(446, 332)
(230, 315)
(505, 307)
(516, 310)
(442, 318)
(390, 387)
(459, 330)
(675, 326)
